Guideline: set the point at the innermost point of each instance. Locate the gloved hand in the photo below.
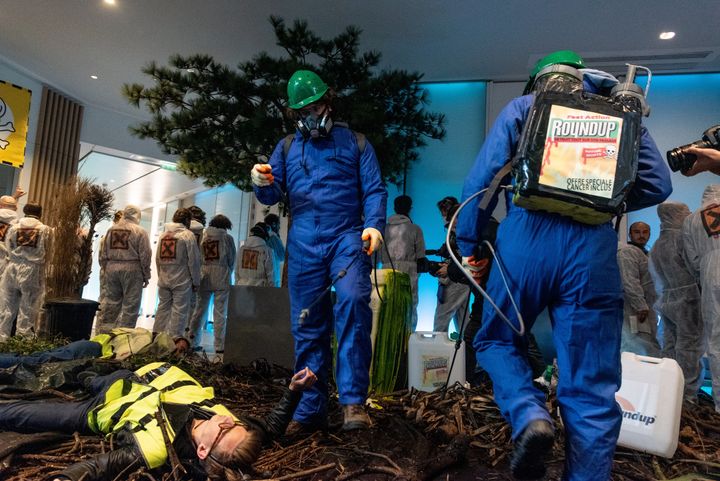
(374, 239)
(261, 175)
(302, 380)
(478, 268)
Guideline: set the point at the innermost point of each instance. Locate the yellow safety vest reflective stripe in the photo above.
(122, 342)
(134, 406)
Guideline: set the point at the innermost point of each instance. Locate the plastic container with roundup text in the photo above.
(430, 355)
(651, 398)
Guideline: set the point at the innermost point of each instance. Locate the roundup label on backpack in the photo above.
(577, 156)
(580, 153)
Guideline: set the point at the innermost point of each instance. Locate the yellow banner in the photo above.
(14, 113)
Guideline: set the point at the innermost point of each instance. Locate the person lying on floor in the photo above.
(120, 343)
(150, 409)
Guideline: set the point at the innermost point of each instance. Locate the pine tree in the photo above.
(220, 121)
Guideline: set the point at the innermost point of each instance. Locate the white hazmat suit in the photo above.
(23, 280)
(638, 336)
(678, 301)
(178, 264)
(255, 261)
(218, 259)
(701, 236)
(125, 257)
(8, 217)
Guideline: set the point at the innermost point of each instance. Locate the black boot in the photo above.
(85, 378)
(531, 450)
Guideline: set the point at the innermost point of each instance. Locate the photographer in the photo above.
(707, 160)
(698, 156)
(452, 297)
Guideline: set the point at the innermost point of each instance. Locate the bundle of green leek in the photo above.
(388, 371)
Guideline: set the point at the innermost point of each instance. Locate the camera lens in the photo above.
(677, 159)
(680, 159)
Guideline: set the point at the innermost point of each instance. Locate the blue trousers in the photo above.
(63, 416)
(312, 267)
(570, 269)
(74, 350)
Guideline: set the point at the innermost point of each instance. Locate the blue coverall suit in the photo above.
(570, 268)
(334, 193)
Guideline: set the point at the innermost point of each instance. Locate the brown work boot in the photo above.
(296, 428)
(355, 417)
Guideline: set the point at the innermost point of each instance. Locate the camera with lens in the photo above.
(679, 158)
(431, 267)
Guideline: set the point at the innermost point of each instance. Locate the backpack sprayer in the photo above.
(608, 128)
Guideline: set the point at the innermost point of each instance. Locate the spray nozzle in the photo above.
(629, 88)
(632, 72)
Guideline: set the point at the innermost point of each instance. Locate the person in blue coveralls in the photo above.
(331, 179)
(569, 267)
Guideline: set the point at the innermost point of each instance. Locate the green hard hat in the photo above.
(561, 57)
(564, 57)
(304, 88)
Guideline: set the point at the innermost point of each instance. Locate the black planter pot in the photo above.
(71, 318)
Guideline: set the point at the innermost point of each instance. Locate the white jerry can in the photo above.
(651, 398)
(430, 355)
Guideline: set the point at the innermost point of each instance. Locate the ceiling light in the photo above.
(667, 35)
(109, 2)
(94, 77)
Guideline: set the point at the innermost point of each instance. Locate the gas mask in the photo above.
(313, 125)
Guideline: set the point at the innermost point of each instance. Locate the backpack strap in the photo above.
(361, 141)
(360, 138)
(287, 144)
(494, 185)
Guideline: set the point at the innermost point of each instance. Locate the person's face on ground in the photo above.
(217, 436)
(182, 346)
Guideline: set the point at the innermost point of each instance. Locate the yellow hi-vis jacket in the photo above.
(134, 406)
(122, 342)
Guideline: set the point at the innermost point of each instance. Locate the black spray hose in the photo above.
(392, 265)
(458, 343)
(366, 244)
(343, 272)
(521, 330)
